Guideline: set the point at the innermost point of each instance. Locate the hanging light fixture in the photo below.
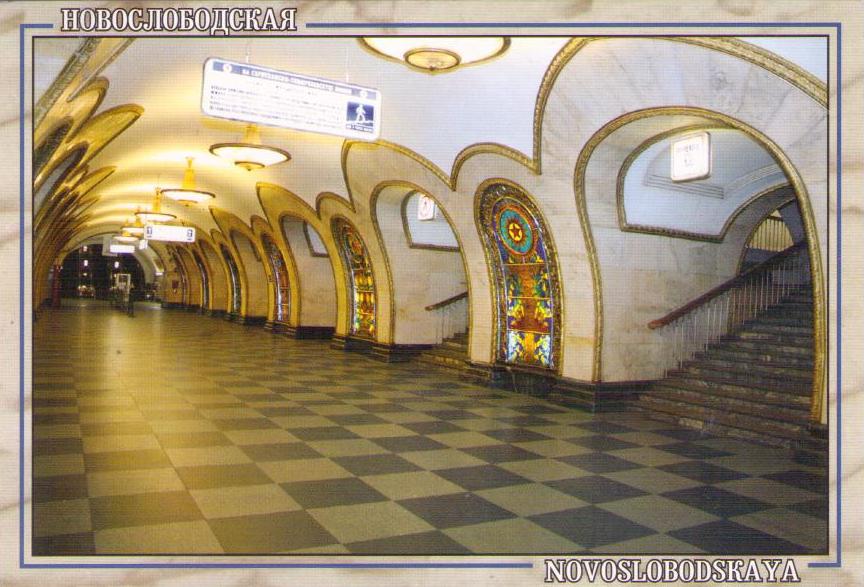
(187, 194)
(155, 214)
(135, 229)
(125, 238)
(436, 54)
(250, 154)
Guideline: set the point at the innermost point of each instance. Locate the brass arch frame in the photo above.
(373, 210)
(819, 299)
(205, 241)
(407, 229)
(349, 289)
(554, 266)
(624, 226)
(753, 231)
(261, 228)
(221, 244)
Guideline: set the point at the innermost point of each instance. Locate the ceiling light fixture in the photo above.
(187, 194)
(436, 54)
(125, 238)
(136, 228)
(155, 214)
(250, 154)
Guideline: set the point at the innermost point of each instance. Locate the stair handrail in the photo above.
(703, 299)
(447, 302)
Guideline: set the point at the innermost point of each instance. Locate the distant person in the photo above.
(130, 301)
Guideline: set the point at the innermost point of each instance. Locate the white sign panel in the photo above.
(142, 244)
(691, 157)
(106, 246)
(425, 208)
(172, 234)
(119, 248)
(249, 93)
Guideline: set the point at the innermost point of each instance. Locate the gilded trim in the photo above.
(819, 300)
(492, 270)
(407, 230)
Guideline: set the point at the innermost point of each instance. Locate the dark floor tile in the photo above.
(64, 545)
(408, 443)
(818, 508)
(322, 433)
(213, 476)
(331, 492)
(192, 439)
(601, 442)
(270, 533)
(50, 419)
(384, 408)
(718, 502)
(376, 464)
(59, 487)
(502, 453)
(356, 419)
(538, 409)
(802, 480)
(481, 477)
(598, 462)
(703, 472)
(603, 427)
(595, 489)
(725, 537)
(351, 395)
(591, 526)
(171, 415)
(54, 402)
(280, 452)
(433, 427)
(431, 392)
(515, 435)
(57, 446)
(125, 460)
(119, 511)
(281, 412)
(448, 415)
(456, 509)
(418, 544)
(527, 421)
(684, 434)
(692, 450)
(244, 424)
(114, 428)
(259, 398)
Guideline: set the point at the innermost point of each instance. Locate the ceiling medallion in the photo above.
(437, 54)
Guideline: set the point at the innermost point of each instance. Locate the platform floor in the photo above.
(172, 432)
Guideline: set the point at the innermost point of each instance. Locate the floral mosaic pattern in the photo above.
(526, 287)
(360, 279)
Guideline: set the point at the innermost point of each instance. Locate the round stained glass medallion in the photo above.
(515, 231)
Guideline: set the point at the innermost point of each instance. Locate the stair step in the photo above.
(454, 346)
(791, 319)
(765, 356)
(730, 404)
(780, 384)
(758, 346)
(785, 372)
(783, 339)
(442, 361)
(774, 328)
(721, 387)
(754, 425)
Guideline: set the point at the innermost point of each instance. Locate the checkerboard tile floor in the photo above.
(176, 433)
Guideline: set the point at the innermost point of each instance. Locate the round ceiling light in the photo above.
(250, 154)
(155, 214)
(125, 238)
(437, 54)
(187, 194)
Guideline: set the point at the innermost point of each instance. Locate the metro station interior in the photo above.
(503, 325)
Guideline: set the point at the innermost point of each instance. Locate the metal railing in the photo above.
(771, 235)
(451, 314)
(694, 326)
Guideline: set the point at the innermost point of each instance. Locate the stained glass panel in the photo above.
(360, 279)
(281, 288)
(525, 284)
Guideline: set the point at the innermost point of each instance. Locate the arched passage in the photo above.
(429, 282)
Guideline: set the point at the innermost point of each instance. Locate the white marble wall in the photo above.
(317, 290)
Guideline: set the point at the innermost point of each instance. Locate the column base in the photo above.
(309, 332)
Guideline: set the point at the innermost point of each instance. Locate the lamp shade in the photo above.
(187, 194)
(250, 154)
(437, 54)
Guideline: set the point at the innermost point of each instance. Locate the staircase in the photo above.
(452, 353)
(755, 383)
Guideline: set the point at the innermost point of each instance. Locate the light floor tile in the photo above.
(174, 426)
(379, 430)
(441, 459)
(269, 436)
(767, 490)
(243, 501)
(176, 538)
(658, 513)
(648, 456)
(515, 536)
(133, 482)
(368, 521)
(544, 470)
(210, 455)
(553, 448)
(413, 484)
(57, 431)
(464, 439)
(530, 499)
(54, 465)
(652, 480)
(653, 544)
(788, 525)
(303, 470)
(289, 422)
(351, 447)
(120, 442)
